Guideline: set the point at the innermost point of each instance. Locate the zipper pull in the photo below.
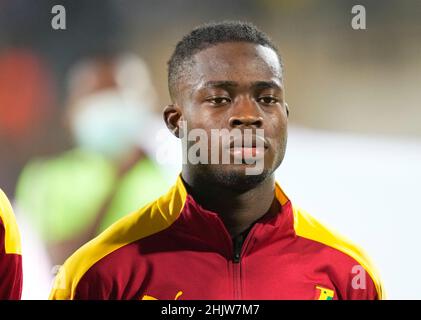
(238, 243)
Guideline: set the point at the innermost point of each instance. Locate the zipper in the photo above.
(236, 265)
(240, 244)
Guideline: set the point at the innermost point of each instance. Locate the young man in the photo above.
(10, 253)
(221, 232)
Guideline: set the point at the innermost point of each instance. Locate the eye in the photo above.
(217, 101)
(268, 100)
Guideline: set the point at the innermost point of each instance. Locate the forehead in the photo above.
(236, 61)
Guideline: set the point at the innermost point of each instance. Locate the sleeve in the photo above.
(92, 286)
(10, 253)
(365, 284)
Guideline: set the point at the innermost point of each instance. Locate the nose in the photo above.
(246, 113)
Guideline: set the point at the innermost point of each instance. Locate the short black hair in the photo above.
(207, 35)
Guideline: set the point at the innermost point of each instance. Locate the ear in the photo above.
(173, 117)
(287, 108)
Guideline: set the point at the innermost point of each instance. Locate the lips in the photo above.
(246, 153)
(253, 148)
(254, 142)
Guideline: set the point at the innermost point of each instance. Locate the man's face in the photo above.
(236, 85)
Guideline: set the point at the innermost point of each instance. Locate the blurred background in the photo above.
(80, 120)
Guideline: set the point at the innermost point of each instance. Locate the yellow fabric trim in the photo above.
(12, 236)
(155, 217)
(146, 297)
(280, 194)
(308, 227)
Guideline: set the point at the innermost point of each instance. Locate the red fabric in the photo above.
(10, 271)
(195, 255)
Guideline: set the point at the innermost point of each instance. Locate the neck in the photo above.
(238, 210)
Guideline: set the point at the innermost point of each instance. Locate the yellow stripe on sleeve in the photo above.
(308, 227)
(151, 219)
(12, 236)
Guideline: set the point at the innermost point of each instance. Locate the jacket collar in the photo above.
(207, 229)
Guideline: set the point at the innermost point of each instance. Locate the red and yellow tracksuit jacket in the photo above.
(175, 249)
(10, 253)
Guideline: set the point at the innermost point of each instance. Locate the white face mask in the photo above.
(109, 123)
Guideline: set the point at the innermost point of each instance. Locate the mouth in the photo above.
(254, 148)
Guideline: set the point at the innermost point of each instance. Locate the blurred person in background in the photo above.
(73, 196)
(10, 253)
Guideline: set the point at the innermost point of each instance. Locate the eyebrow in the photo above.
(232, 84)
(266, 85)
(220, 84)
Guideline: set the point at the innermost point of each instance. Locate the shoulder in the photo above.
(10, 252)
(9, 226)
(151, 219)
(73, 183)
(310, 228)
(55, 174)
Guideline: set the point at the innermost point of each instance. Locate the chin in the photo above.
(235, 178)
